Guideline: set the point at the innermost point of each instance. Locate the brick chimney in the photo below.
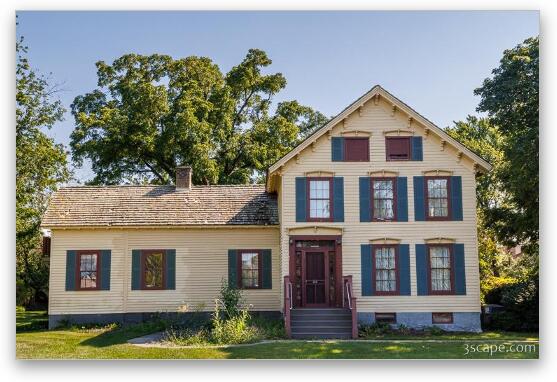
(183, 178)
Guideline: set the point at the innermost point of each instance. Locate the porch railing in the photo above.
(350, 303)
(287, 305)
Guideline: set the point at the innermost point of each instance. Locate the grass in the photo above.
(111, 343)
(26, 321)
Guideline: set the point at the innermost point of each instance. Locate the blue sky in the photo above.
(431, 60)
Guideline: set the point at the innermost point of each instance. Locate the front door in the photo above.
(315, 291)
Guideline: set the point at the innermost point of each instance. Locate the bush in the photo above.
(232, 330)
(270, 329)
(492, 287)
(521, 301)
(377, 328)
(230, 324)
(231, 299)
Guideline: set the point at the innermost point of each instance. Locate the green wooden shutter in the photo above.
(170, 269)
(71, 263)
(337, 149)
(105, 269)
(404, 269)
(459, 268)
(365, 200)
(456, 198)
(301, 199)
(136, 269)
(367, 282)
(401, 199)
(338, 199)
(233, 268)
(419, 200)
(417, 149)
(422, 270)
(266, 269)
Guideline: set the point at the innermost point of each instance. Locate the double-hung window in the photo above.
(437, 198)
(383, 194)
(320, 195)
(250, 269)
(385, 268)
(440, 269)
(88, 270)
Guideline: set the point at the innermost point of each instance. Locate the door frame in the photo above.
(338, 264)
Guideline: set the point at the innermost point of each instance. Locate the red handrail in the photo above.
(350, 301)
(287, 305)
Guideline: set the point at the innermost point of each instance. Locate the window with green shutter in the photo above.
(153, 269)
(88, 270)
(250, 268)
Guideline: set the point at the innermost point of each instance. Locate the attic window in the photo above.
(398, 148)
(356, 149)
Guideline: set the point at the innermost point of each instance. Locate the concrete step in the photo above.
(311, 323)
(320, 317)
(306, 311)
(322, 329)
(321, 336)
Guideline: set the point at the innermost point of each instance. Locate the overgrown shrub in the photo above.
(491, 288)
(231, 299)
(521, 301)
(234, 329)
(231, 323)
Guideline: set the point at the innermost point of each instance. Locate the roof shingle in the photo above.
(90, 206)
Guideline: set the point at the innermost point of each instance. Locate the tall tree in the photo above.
(511, 99)
(40, 166)
(152, 113)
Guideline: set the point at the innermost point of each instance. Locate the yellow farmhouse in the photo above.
(372, 218)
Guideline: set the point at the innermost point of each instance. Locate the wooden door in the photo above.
(315, 279)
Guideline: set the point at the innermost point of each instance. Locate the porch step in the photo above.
(321, 323)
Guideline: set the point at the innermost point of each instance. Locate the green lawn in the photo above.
(110, 343)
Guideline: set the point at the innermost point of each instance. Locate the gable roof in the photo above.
(374, 91)
(127, 206)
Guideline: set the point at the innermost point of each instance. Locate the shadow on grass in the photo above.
(121, 334)
(28, 321)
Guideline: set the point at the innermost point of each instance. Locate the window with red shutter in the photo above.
(356, 149)
(398, 148)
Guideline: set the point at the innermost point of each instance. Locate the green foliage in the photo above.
(30, 320)
(234, 330)
(270, 329)
(491, 288)
(41, 165)
(372, 330)
(434, 330)
(152, 113)
(231, 299)
(508, 201)
(511, 100)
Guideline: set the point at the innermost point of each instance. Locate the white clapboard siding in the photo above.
(377, 119)
(201, 265)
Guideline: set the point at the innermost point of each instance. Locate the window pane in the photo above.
(437, 188)
(153, 270)
(319, 189)
(250, 270)
(383, 209)
(385, 271)
(88, 271)
(319, 209)
(440, 261)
